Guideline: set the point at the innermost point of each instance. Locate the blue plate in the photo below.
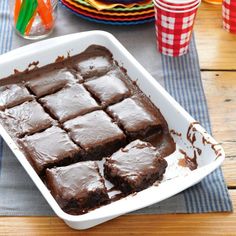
(135, 22)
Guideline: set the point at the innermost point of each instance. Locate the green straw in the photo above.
(27, 10)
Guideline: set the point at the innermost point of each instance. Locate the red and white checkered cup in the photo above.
(174, 28)
(176, 7)
(229, 15)
(178, 2)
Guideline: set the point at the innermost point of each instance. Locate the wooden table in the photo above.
(217, 55)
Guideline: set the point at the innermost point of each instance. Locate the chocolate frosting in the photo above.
(27, 118)
(72, 101)
(109, 89)
(63, 96)
(75, 181)
(95, 128)
(94, 66)
(49, 147)
(50, 82)
(133, 115)
(135, 161)
(13, 95)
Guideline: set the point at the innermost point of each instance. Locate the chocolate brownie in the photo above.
(71, 101)
(98, 65)
(78, 187)
(135, 167)
(49, 148)
(27, 118)
(137, 117)
(50, 82)
(109, 89)
(84, 108)
(96, 134)
(95, 61)
(13, 95)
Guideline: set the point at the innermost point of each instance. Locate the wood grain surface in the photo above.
(220, 90)
(216, 47)
(174, 224)
(217, 55)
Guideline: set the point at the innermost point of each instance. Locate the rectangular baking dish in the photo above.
(189, 136)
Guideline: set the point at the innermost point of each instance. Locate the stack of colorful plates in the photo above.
(114, 12)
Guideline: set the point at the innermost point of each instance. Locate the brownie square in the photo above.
(71, 101)
(137, 117)
(108, 89)
(49, 148)
(50, 82)
(135, 167)
(94, 66)
(78, 187)
(13, 95)
(96, 134)
(27, 118)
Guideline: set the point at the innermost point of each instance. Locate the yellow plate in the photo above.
(106, 6)
(107, 13)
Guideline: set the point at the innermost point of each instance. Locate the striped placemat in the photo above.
(180, 76)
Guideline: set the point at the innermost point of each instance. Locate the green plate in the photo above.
(123, 9)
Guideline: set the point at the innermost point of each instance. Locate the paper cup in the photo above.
(174, 29)
(177, 7)
(173, 53)
(229, 15)
(229, 10)
(228, 29)
(166, 38)
(231, 6)
(178, 2)
(231, 21)
(185, 9)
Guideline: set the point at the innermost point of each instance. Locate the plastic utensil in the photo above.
(45, 14)
(27, 10)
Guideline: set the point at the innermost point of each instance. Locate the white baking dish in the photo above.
(177, 178)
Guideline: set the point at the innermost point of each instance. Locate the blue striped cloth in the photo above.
(5, 41)
(180, 76)
(211, 193)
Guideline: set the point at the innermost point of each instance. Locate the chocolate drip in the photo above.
(187, 161)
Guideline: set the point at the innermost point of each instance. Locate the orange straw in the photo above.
(17, 10)
(49, 5)
(45, 14)
(29, 26)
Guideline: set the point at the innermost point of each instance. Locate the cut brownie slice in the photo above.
(71, 101)
(50, 82)
(95, 61)
(109, 89)
(135, 167)
(96, 134)
(94, 66)
(137, 117)
(13, 95)
(27, 118)
(49, 148)
(78, 187)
